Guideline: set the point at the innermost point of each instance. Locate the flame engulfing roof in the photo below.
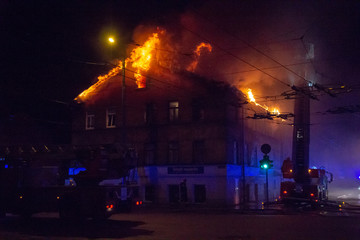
(141, 60)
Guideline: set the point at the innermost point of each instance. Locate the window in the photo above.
(150, 193)
(173, 152)
(199, 193)
(198, 112)
(198, 151)
(174, 193)
(149, 149)
(110, 117)
(173, 111)
(235, 152)
(149, 115)
(90, 121)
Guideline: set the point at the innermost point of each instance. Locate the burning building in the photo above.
(189, 135)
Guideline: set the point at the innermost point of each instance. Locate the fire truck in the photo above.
(302, 184)
(84, 184)
(315, 190)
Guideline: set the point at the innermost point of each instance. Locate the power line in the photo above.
(236, 57)
(267, 68)
(256, 49)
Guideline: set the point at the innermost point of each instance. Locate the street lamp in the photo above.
(112, 41)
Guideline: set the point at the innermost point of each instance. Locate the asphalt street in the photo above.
(189, 225)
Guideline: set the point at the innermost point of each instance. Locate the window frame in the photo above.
(89, 121)
(149, 114)
(173, 152)
(111, 113)
(198, 151)
(198, 111)
(173, 111)
(149, 153)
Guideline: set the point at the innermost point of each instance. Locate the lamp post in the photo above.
(123, 110)
(112, 41)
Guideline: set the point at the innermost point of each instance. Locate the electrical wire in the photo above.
(255, 49)
(236, 57)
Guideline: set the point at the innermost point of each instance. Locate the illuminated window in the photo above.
(110, 117)
(173, 111)
(90, 121)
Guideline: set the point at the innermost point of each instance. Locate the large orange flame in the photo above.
(252, 99)
(250, 95)
(101, 80)
(140, 59)
(197, 52)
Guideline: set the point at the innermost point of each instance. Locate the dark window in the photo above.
(173, 152)
(174, 193)
(150, 193)
(199, 193)
(183, 191)
(149, 149)
(198, 151)
(256, 192)
(173, 111)
(235, 152)
(198, 112)
(90, 121)
(149, 115)
(247, 192)
(110, 117)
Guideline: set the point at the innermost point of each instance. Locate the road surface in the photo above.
(189, 225)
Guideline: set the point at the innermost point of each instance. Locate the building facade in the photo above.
(190, 137)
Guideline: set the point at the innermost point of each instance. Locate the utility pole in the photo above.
(123, 108)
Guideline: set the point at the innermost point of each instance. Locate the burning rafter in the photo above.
(101, 80)
(269, 114)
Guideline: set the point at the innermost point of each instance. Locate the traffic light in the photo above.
(266, 163)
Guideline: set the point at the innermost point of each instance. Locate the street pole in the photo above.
(123, 109)
(243, 172)
(267, 185)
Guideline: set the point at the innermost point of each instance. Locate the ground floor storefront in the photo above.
(206, 184)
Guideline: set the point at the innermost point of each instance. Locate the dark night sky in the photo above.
(44, 45)
(44, 42)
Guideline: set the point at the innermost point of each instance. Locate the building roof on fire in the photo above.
(177, 82)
